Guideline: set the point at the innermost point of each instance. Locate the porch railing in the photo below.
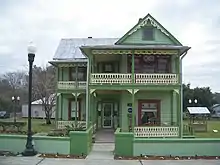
(156, 131)
(68, 85)
(156, 78)
(63, 123)
(119, 78)
(110, 78)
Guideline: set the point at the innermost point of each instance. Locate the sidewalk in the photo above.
(101, 154)
(42, 161)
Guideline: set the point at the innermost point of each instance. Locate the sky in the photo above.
(195, 23)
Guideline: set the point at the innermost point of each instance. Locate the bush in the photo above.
(11, 125)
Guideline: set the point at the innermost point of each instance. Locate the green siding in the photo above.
(136, 38)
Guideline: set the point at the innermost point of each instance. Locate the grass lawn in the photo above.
(38, 125)
(212, 125)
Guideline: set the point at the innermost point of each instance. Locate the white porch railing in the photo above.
(62, 124)
(156, 78)
(119, 78)
(110, 78)
(156, 132)
(68, 85)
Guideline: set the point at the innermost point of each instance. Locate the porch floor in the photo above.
(105, 136)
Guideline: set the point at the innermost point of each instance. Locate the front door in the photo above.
(107, 115)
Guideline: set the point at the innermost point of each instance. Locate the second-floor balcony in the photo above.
(139, 78)
(71, 85)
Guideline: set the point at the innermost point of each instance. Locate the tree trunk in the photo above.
(47, 113)
(48, 121)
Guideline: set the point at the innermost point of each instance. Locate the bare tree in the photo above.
(16, 80)
(44, 89)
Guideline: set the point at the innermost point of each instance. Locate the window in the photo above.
(81, 76)
(73, 112)
(148, 33)
(148, 113)
(82, 73)
(150, 64)
(108, 68)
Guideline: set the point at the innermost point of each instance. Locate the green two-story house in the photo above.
(132, 82)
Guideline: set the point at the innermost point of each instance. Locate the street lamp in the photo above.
(195, 101)
(15, 100)
(30, 151)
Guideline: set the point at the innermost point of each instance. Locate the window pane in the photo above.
(73, 109)
(73, 73)
(148, 33)
(149, 113)
(82, 74)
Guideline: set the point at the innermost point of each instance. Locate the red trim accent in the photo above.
(148, 101)
(69, 108)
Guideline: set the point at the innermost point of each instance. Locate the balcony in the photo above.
(141, 79)
(71, 85)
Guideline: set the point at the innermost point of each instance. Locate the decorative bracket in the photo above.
(135, 91)
(58, 94)
(92, 90)
(176, 90)
(130, 91)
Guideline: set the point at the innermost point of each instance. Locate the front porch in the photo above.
(148, 114)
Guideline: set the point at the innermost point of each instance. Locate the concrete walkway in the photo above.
(101, 161)
(103, 151)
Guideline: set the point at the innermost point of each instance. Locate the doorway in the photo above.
(107, 115)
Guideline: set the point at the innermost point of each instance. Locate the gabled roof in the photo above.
(155, 23)
(68, 49)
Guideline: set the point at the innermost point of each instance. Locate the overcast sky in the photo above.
(195, 23)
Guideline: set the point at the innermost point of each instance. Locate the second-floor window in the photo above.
(150, 64)
(78, 74)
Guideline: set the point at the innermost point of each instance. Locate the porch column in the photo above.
(87, 94)
(57, 108)
(180, 114)
(133, 82)
(61, 106)
(172, 107)
(177, 105)
(76, 108)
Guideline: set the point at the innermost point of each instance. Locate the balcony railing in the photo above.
(69, 85)
(119, 78)
(156, 78)
(110, 78)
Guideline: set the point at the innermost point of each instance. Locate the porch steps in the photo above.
(103, 151)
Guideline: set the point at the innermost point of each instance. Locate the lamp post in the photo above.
(193, 102)
(30, 151)
(15, 100)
